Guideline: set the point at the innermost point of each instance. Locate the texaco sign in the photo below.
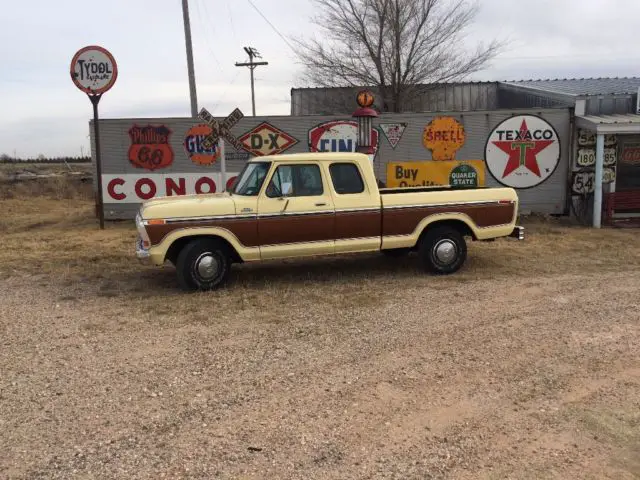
(522, 151)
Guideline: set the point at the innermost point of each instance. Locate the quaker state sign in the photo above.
(522, 151)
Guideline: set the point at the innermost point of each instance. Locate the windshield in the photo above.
(251, 178)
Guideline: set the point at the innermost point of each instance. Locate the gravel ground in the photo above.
(517, 376)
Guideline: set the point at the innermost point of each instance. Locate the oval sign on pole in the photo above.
(93, 69)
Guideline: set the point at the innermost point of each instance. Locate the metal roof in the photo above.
(629, 123)
(582, 86)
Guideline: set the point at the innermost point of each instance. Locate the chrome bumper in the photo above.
(518, 232)
(142, 254)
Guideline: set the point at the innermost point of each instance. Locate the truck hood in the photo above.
(201, 205)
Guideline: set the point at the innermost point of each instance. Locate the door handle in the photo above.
(321, 204)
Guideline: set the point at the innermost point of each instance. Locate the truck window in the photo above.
(251, 178)
(346, 178)
(295, 181)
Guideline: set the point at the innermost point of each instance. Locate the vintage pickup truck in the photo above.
(306, 204)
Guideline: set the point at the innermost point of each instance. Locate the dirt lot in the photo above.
(524, 365)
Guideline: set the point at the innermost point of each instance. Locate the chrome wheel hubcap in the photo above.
(206, 266)
(445, 251)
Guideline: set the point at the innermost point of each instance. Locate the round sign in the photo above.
(195, 149)
(444, 136)
(93, 69)
(463, 176)
(522, 151)
(365, 98)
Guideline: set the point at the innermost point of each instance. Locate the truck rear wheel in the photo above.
(203, 264)
(443, 250)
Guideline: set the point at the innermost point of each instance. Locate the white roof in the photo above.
(627, 123)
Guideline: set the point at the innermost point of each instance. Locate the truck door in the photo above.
(296, 216)
(358, 208)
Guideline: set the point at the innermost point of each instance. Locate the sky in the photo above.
(41, 111)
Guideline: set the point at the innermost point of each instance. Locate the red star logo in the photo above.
(522, 151)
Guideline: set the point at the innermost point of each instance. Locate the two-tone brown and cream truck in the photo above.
(298, 205)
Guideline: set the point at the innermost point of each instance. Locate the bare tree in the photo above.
(398, 47)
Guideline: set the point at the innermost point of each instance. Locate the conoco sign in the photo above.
(93, 69)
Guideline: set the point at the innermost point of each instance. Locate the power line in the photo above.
(224, 94)
(206, 38)
(272, 26)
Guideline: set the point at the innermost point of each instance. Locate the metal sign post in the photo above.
(94, 71)
(219, 133)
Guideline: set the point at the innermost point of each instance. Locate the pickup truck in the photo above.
(296, 205)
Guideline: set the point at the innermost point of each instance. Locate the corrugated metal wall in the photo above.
(437, 97)
(549, 197)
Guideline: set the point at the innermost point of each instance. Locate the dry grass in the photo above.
(60, 236)
(43, 168)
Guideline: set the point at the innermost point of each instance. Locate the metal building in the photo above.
(149, 157)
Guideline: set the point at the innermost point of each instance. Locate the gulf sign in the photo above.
(136, 188)
(196, 151)
(339, 136)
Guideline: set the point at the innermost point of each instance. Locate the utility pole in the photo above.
(253, 53)
(192, 75)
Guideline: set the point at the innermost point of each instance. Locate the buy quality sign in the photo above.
(468, 173)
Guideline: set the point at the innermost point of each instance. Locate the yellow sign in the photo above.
(444, 136)
(461, 174)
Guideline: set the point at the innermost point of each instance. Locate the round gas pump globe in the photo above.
(365, 98)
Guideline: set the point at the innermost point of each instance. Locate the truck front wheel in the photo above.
(443, 250)
(203, 264)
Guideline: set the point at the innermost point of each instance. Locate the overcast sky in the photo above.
(41, 111)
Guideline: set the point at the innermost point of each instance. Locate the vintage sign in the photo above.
(338, 136)
(587, 157)
(393, 132)
(630, 154)
(583, 182)
(522, 151)
(136, 188)
(467, 173)
(193, 145)
(221, 129)
(444, 136)
(265, 139)
(587, 138)
(93, 69)
(150, 148)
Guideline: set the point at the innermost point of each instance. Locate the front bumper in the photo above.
(518, 232)
(142, 254)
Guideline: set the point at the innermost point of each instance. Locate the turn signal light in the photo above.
(156, 221)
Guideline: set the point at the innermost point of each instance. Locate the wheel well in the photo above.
(174, 249)
(459, 225)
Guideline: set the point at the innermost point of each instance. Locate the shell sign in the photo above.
(444, 136)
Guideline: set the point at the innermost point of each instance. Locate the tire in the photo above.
(443, 250)
(203, 264)
(396, 252)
